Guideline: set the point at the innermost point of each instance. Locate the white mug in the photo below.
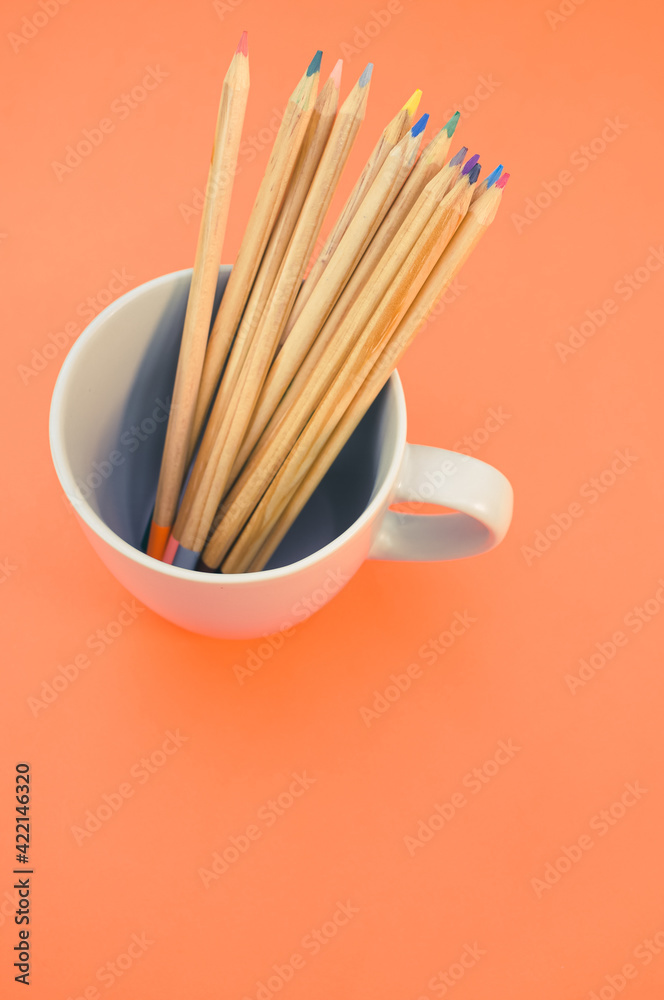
(107, 426)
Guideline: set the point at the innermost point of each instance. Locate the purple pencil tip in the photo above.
(474, 174)
(458, 158)
(470, 164)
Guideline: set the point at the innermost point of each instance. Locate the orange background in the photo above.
(478, 882)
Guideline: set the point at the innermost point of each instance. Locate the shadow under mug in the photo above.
(107, 427)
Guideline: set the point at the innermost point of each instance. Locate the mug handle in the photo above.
(481, 496)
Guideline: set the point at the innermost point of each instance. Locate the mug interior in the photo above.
(109, 421)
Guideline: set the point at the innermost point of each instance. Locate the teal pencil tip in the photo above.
(314, 65)
(366, 75)
(419, 126)
(450, 128)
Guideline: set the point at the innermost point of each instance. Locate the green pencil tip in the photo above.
(452, 124)
(314, 65)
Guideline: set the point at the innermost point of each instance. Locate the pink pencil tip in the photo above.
(169, 553)
(335, 75)
(502, 181)
(243, 44)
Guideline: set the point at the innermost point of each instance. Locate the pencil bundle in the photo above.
(264, 401)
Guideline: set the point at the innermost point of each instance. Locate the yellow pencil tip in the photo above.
(412, 103)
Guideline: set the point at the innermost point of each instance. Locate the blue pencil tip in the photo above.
(474, 174)
(471, 163)
(419, 126)
(494, 175)
(314, 65)
(459, 157)
(366, 75)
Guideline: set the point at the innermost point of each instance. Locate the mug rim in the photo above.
(90, 517)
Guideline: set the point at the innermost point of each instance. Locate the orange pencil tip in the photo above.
(243, 44)
(157, 540)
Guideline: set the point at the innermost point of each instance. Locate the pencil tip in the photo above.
(335, 75)
(243, 44)
(503, 181)
(494, 175)
(412, 103)
(474, 174)
(314, 65)
(459, 157)
(419, 126)
(471, 163)
(452, 124)
(366, 75)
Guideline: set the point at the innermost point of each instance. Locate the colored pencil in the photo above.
(304, 236)
(488, 182)
(479, 218)
(271, 401)
(313, 146)
(357, 365)
(377, 202)
(393, 133)
(200, 302)
(229, 419)
(431, 161)
(265, 399)
(211, 476)
(312, 381)
(263, 216)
